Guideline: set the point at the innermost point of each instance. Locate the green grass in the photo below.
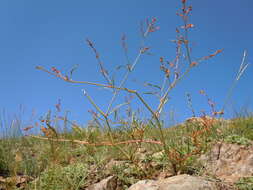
(70, 177)
(245, 183)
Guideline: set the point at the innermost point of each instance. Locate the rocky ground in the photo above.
(226, 163)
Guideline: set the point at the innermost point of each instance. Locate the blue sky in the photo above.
(52, 33)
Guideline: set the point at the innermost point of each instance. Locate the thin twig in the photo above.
(125, 77)
(83, 82)
(100, 144)
(242, 68)
(102, 69)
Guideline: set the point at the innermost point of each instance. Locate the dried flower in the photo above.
(216, 52)
(187, 26)
(165, 70)
(151, 25)
(153, 20)
(143, 50)
(55, 70)
(171, 64)
(218, 113)
(202, 92)
(27, 128)
(193, 64)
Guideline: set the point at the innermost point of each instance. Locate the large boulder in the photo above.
(180, 182)
(229, 162)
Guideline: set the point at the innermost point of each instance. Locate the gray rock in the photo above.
(109, 183)
(145, 184)
(180, 182)
(229, 162)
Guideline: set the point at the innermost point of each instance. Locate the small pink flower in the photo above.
(153, 20)
(55, 70)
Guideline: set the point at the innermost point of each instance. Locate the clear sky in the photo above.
(52, 33)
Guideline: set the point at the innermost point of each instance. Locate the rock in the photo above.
(145, 184)
(180, 182)
(110, 183)
(229, 162)
(164, 174)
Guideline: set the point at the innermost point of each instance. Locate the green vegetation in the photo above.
(245, 183)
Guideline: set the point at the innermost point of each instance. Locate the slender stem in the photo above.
(163, 99)
(93, 103)
(165, 80)
(123, 82)
(229, 94)
(100, 144)
(241, 70)
(107, 123)
(112, 140)
(102, 70)
(128, 72)
(156, 119)
(186, 43)
(83, 82)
